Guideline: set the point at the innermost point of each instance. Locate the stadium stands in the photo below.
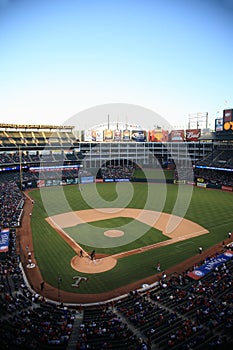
(179, 312)
(117, 171)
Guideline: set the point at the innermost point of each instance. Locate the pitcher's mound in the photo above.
(114, 233)
(86, 265)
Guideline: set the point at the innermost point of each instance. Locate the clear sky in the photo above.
(59, 57)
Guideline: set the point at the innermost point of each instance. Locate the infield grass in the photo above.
(94, 232)
(212, 209)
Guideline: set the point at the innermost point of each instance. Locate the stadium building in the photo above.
(39, 149)
(185, 309)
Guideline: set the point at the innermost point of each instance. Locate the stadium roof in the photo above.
(26, 126)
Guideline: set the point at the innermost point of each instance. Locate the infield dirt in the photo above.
(182, 230)
(34, 275)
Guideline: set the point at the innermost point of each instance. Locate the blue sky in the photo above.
(59, 57)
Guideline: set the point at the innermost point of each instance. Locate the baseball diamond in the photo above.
(114, 226)
(116, 175)
(185, 230)
(111, 264)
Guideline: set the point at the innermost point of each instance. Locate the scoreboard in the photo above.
(228, 119)
(226, 122)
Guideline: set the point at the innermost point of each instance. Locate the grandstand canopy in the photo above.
(26, 126)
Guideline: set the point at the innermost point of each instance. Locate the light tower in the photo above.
(198, 119)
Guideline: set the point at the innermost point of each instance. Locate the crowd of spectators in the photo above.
(179, 312)
(219, 158)
(117, 171)
(27, 321)
(103, 328)
(14, 157)
(5, 158)
(217, 177)
(182, 313)
(29, 179)
(11, 204)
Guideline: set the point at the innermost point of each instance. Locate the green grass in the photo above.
(94, 232)
(210, 208)
(156, 174)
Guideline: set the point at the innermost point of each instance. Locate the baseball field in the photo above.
(129, 232)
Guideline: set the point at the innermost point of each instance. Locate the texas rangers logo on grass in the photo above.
(78, 280)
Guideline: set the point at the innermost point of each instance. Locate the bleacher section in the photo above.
(219, 159)
(217, 167)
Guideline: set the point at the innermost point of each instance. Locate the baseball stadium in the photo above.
(116, 237)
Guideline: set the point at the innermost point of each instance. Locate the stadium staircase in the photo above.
(72, 344)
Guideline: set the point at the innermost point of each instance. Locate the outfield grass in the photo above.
(210, 208)
(156, 174)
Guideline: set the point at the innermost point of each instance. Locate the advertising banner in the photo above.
(49, 183)
(177, 136)
(227, 188)
(138, 135)
(88, 135)
(87, 179)
(108, 135)
(4, 240)
(192, 135)
(57, 151)
(165, 136)
(72, 181)
(93, 135)
(210, 265)
(227, 115)
(126, 135)
(228, 119)
(56, 182)
(40, 183)
(179, 182)
(201, 184)
(117, 135)
(121, 180)
(155, 136)
(212, 168)
(219, 124)
(158, 136)
(99, 136)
